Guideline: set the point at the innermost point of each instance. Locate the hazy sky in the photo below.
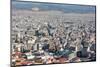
(53, 6)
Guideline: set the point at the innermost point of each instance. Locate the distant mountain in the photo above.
(53, 6)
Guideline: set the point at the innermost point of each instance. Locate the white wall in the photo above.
(5, 33)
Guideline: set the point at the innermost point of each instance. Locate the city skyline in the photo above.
(49, 33)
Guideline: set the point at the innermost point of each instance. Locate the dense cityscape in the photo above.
(52, 37)
(46, 38)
